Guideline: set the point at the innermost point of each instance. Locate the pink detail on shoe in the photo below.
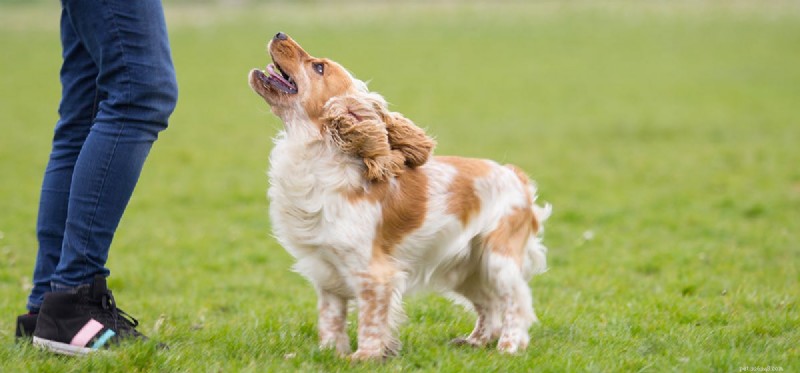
(86, 333)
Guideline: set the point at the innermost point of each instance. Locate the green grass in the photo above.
(665, 134)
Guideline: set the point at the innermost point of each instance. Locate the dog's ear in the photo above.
(358, 129)
(415, 145)
(404, 136)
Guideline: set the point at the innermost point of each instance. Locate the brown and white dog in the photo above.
(370, 215)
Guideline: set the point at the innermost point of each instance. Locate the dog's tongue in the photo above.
(276, 74)
(277, 80)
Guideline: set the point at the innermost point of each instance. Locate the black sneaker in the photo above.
(83, 320)
(25, 326)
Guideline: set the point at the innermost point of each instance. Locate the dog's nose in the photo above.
(281, 36)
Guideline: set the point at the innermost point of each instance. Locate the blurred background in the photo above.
(665, 134)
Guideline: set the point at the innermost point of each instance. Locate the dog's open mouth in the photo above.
(275, 76)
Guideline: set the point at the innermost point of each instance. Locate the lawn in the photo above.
(665, 134)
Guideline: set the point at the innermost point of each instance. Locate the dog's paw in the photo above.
(367, 355)
(342, 347)
(512, 345)
(462, 341)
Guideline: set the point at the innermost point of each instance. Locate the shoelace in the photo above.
(117, 314)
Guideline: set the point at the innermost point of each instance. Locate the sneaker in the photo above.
(83, 320)
(26, 324)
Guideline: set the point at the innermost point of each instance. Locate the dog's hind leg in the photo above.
(487, 326)
(479, 292)
(514, 298)
(506, 247)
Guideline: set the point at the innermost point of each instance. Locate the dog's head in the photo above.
(320, 94)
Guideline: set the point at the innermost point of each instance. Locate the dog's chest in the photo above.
(308, 211)
(320, 220)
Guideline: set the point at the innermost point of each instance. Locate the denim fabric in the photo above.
(118, 91)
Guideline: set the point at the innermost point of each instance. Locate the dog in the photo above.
(370, 215)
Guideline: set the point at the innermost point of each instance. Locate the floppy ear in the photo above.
(359, 130)
(409, 139)
(404, 136)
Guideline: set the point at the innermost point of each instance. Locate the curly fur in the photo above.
(387, 142)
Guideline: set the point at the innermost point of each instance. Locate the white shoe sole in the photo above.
(61, 348)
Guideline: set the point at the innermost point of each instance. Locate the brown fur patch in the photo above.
(511, 234)
(403, 205)
(462, 200)
(404, 210)
(523, 177)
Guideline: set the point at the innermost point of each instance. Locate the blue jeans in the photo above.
(118, 91)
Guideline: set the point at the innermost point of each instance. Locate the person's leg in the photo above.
(128, 41)
(76, 112)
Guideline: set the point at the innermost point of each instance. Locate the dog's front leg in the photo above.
(375, 340)
(332, 310)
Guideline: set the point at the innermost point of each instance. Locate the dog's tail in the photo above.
(535, 259)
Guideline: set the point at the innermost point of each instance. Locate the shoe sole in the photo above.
(61, 348)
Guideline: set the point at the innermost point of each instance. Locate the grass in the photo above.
(664, 133)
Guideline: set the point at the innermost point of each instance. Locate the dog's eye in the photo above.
(319, 68)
